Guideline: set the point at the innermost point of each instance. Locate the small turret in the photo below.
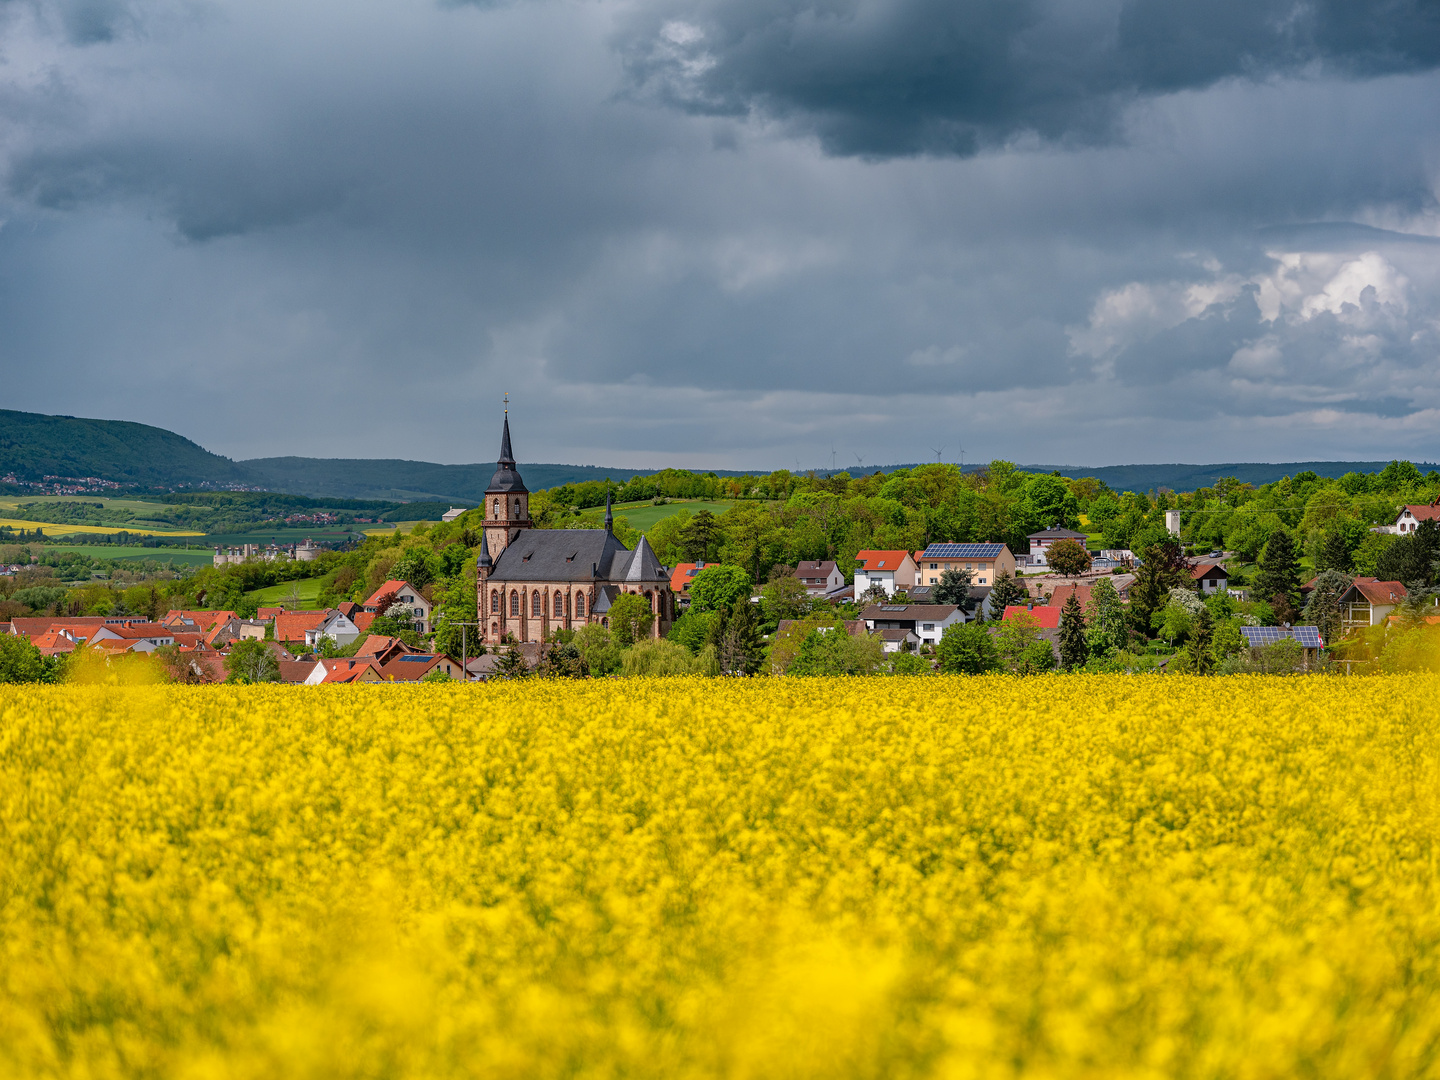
(609, 516)
(483, 562)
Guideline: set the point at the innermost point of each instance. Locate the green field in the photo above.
(190, 557)
(644, 515)
(308, 589)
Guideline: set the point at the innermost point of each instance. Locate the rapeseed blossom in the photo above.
(1078, 876)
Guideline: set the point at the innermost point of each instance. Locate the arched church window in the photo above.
(559, 606)
(517, 508)
(514, 603)
(650, 601)
(497, 509)
(535, 602)
(580, 605)
(494, 601)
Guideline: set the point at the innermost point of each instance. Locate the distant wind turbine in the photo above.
(939, 453)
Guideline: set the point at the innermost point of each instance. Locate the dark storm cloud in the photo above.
(304, 227)
(885, 77)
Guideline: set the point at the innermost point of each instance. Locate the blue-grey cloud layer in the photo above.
(727, 233)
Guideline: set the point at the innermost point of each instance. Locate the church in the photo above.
(531, 581)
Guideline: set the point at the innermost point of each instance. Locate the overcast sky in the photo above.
(729, 233)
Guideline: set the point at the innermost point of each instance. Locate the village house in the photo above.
(984, 561)
(891, 570)
(1040, 542)
(1367, 602)
(927, 622)
(820, 578)
(1210, 578)
(1410, 517)
(406, 595)
(337, 627)
(681, 577)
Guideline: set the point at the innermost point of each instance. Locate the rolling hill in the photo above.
(34, 446)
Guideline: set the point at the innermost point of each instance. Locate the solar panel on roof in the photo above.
(892, 607)
(962, 551)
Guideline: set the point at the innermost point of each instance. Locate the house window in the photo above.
(930, 626)
(932, 581)
(494, 602)
(514, 603)
(580, 605)
(419, 613)
(535, 602)
(559, 606)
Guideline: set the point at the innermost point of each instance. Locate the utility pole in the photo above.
(464, 645)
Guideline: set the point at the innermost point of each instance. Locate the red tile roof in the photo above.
(363, 620)
(684, 573)
(81, 627)
(414, 667)
(203, 620)
(881, 560)
(1047, 618)
(1424, 512)
(349, 671)
(390, 587)
(265, 614)
(1064, 592)
(292, 625)
(139, 631)
(1379, 592)
(53, 642)
(1208, 569)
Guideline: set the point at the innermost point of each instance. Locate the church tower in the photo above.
(507, 500)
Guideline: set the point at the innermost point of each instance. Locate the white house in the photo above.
(338, 627)
(1409, 518)
(891, 570)
(405, 594)
(1368, 602)
(453, 513)
(926, 621)
(1040, 542)
(1210, 578)
(145, 637)
(820, 578)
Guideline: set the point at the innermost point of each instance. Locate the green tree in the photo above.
(953, 588)
(1036, 659)
(833, 651)
(1068, 557)
(693, 629)
(1006, 592)
(1014, 636)
(600, 652)
(1198, 657)
(1106, 628)
(630, 619)
(1074, 649)
(251, 661)
(909, 664)
(562, 660)
(700, 538)
(784, 596)
(716, 588)
(1163, 567)
(512, 665)
(419, 566)
(1279, 571)
(966, 649)
(20, 661)
(741, 651)
(1322, 609)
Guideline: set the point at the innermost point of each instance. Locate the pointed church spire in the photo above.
(506, 457)
(609, 516)
(484, 560)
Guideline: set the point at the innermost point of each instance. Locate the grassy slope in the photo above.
(309, 589)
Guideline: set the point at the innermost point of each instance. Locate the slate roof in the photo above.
(506, 480)
(908, 612)
(566, 555)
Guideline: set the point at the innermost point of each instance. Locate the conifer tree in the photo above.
(1199, 658)
(741, 649)
(1074, 649)
(1006, 592)
(1279, 574)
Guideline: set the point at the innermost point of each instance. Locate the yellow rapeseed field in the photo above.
(1087, 876)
